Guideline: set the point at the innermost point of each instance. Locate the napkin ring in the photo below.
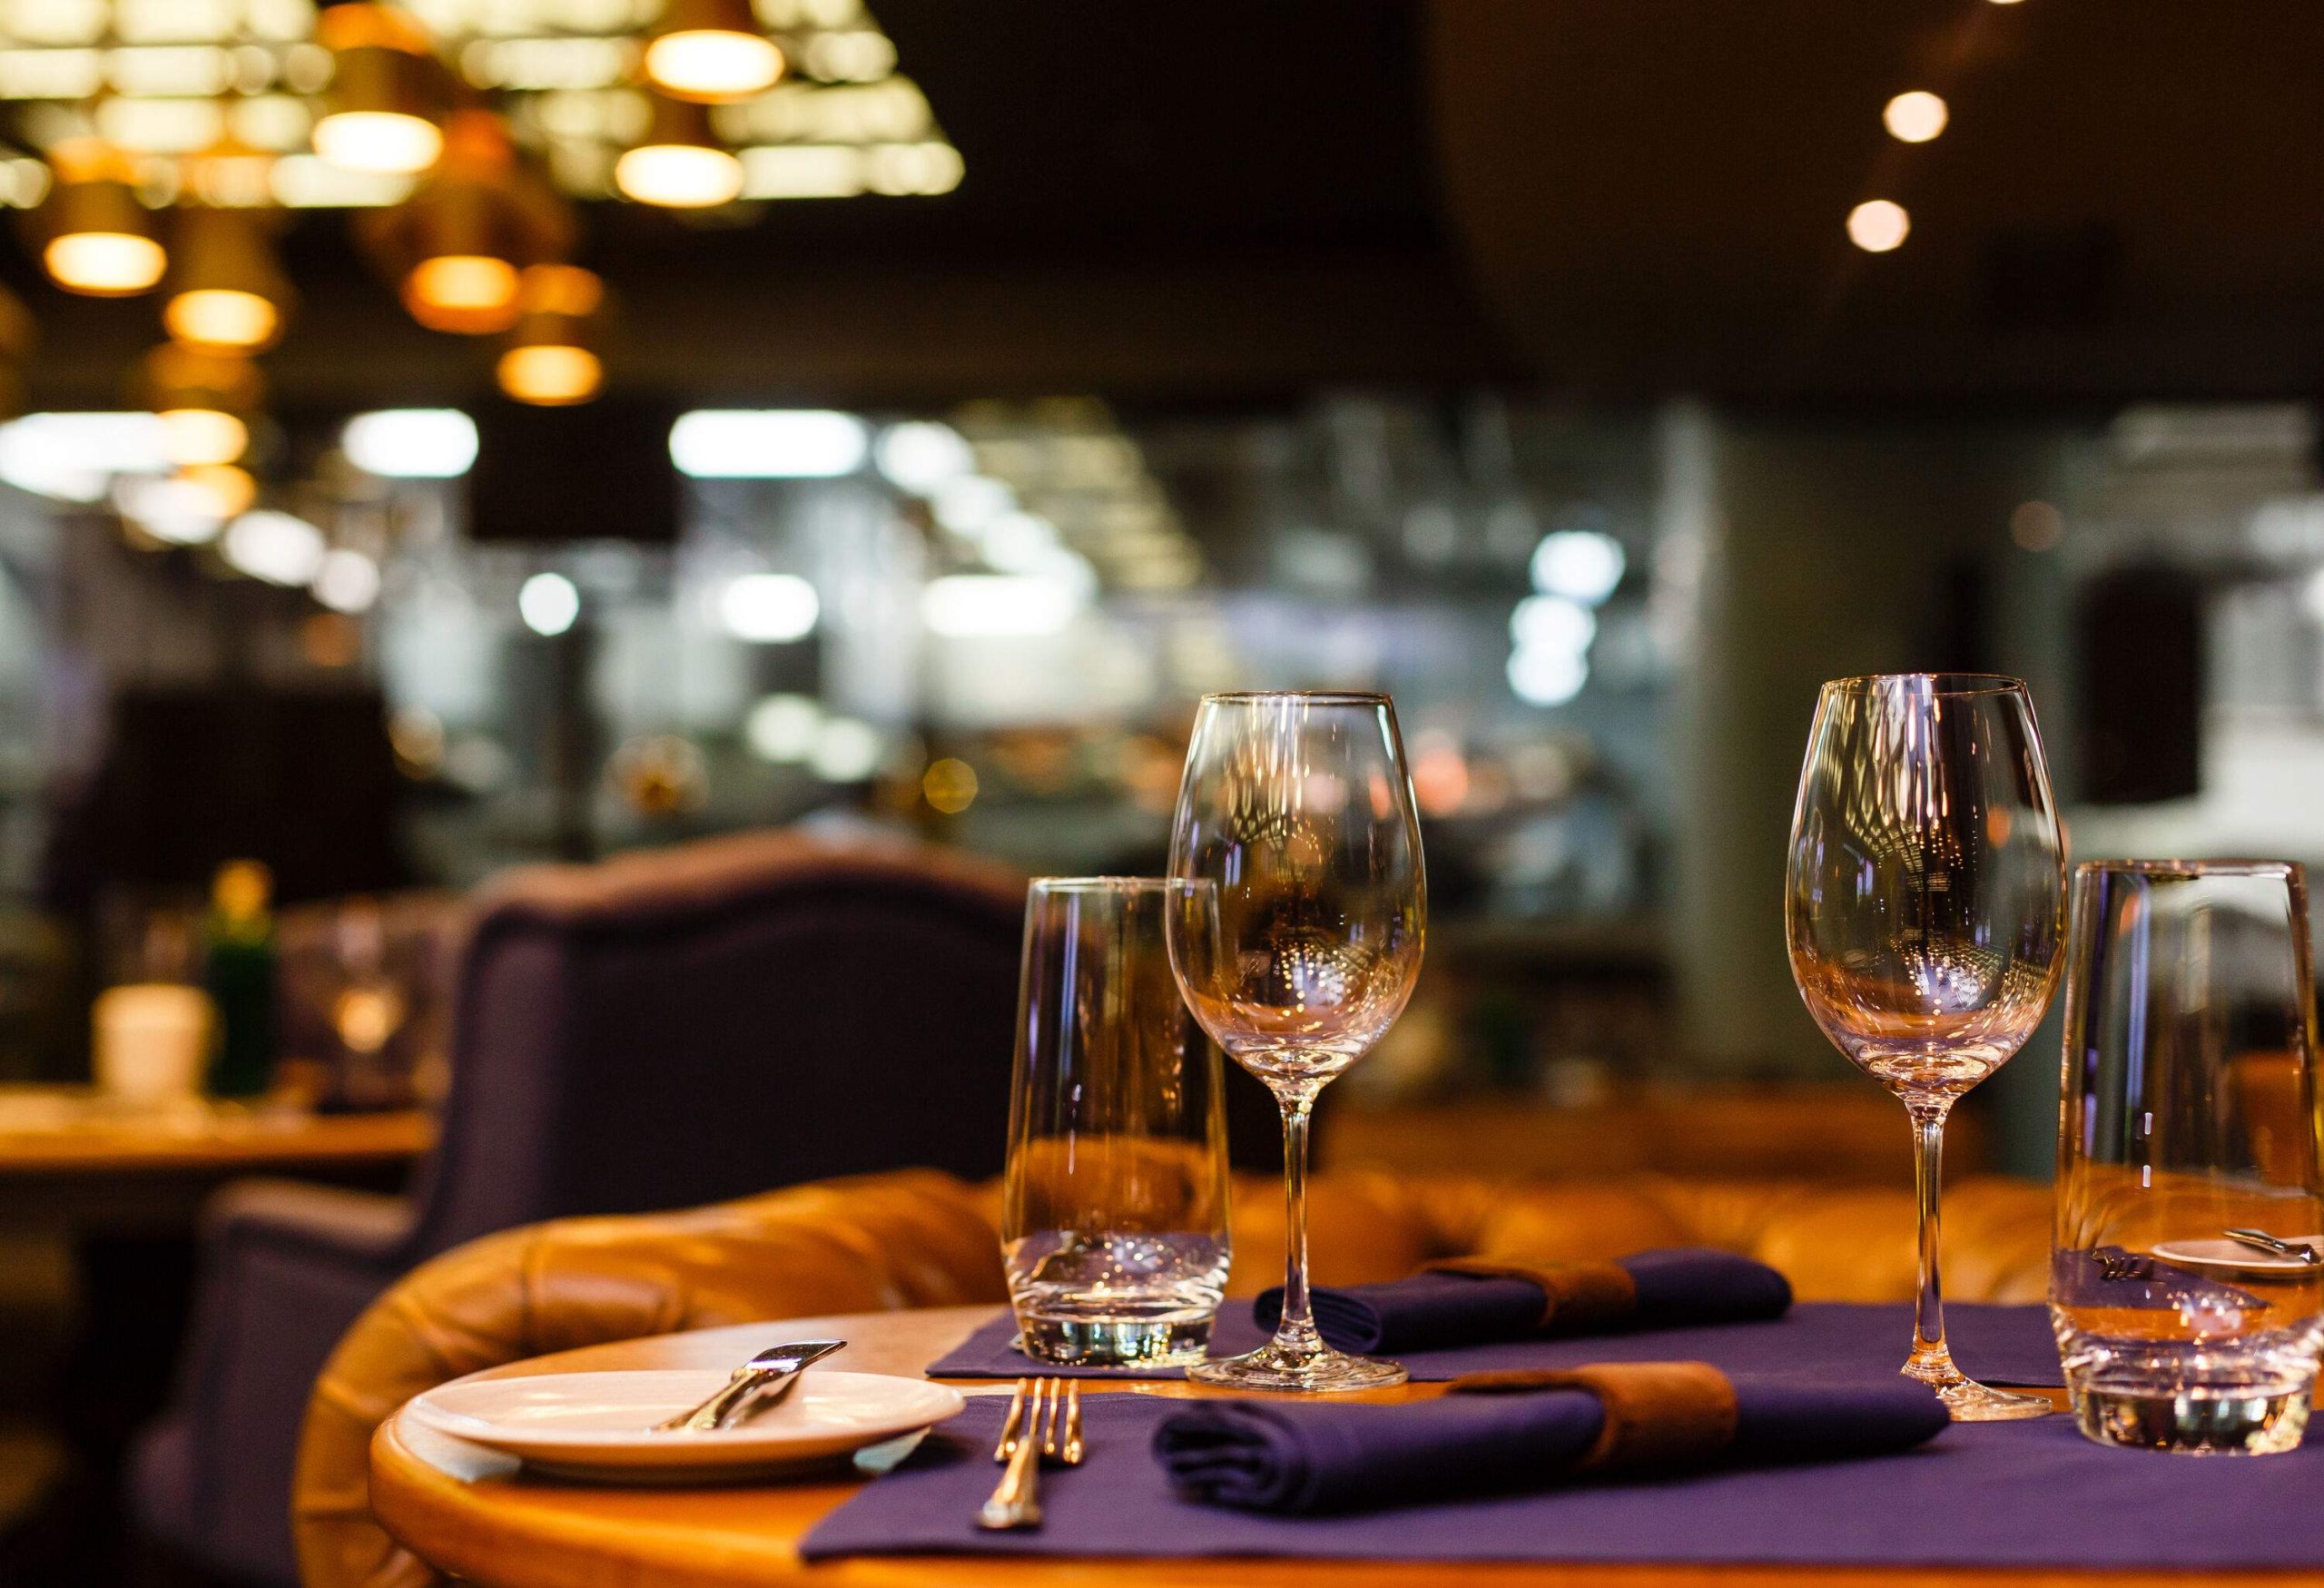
(1659, 1415)
(1580, 1298)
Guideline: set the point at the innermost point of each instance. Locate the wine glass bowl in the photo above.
(1924, 916)
(1300, 948)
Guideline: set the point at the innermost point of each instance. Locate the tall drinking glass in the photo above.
(1114, 1222)
(1299, 942)
(2186, 1143)
(1924, 905)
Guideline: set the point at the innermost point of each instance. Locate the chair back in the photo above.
(702, 1023)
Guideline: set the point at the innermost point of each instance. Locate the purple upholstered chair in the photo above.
(657, 1031)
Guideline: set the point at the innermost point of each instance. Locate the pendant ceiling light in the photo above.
(681, 165)
(100, 239)
(389, 92)
(201, 397)
(711, 50)
(548, 361)
(225, 290)
(460, 243)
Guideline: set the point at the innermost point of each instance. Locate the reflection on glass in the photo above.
(1114, 1230)
(1299, 946)
(2189, 1112)
(1924, 907)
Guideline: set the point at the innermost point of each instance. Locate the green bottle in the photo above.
(238, 970)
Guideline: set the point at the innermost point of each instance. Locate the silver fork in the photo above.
(1044, 1419)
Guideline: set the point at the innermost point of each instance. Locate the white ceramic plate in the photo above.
(2222, 1252)
(593, 1425)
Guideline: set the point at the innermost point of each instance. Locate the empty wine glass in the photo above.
(1924, 904)
(1301, 947)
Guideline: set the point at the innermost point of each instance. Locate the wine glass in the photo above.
(1924, 904)
(1301, 946)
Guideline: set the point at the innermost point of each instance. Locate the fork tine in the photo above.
(1056, 1414)
(1073, 1446)
(1014, 1421)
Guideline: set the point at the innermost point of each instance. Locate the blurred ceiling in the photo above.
(1149, 213)
(2127, 200)
(1620, 197)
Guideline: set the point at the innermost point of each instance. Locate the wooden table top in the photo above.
(47, 1131)
(510, 1532)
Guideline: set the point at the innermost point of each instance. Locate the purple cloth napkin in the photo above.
(1301, 1460)
(1677, 1288)
(1979, 1496)
(1815, 1341)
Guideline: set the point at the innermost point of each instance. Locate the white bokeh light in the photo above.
(549, 604)
(72, 457)
(769, 608)
(411, 443)
(1880, 225)
(278, 547)
(846, 751)
(996, 605)
(1582, 565)
(968, 504)
(348, 581)
(783, 728)
(1540, 676)
(921, 455)
(713, 443)
(1916, 117)
(1552, 623)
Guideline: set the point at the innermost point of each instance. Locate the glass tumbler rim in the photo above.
(1106, 885)
(2191, 870)
(1948, 684)
(1310, 696)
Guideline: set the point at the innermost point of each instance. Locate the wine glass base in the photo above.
(1320, 1371)
(1967, 1400)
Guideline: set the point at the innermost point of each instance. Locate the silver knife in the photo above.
(2261, 1240)
(775, 1369)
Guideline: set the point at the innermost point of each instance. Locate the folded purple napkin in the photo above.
(1470, 1301)
(1501, 1432)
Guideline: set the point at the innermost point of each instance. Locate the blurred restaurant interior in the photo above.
(540, 465)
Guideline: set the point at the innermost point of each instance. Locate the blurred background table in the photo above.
(98, 1205)
(71, 1160)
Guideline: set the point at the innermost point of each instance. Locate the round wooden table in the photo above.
(477, 1521)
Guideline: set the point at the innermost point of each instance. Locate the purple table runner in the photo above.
(1818, 1339)
(2030, 1495)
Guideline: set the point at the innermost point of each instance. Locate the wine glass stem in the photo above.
(1298, 1323)
(1930, 1356)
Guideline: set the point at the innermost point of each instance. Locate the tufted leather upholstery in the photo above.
(922, 1239)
